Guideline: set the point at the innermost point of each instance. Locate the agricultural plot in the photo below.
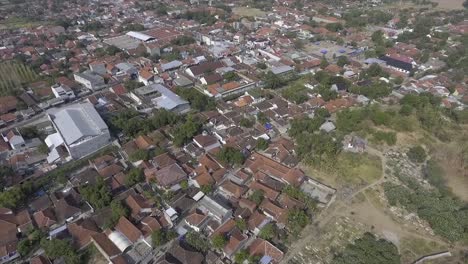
(13, 76)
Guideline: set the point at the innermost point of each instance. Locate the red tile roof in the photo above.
(260, 248)
(128, 229)
(260, 163)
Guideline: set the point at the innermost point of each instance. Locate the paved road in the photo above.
(39, 118)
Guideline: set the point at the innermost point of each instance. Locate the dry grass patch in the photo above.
(248, 12)
(350, 169)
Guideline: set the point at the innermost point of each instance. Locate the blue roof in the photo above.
(266, 259)
(268, 126)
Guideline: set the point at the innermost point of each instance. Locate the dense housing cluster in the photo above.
(178, 131)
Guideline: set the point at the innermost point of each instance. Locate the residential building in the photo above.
(90, 80)
(160, 97)
(14, 138)
(62, 91)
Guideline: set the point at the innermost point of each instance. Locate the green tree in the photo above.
(368, 249)
(241, 256)
(257, 196)
(241, 224)
(196, 99)
(378, 37)
(112, 50)
(262, 118)
(56, 248)
(334, 27)
(323, 63)
(140, 154)
(5, 173)
(219, 241)
(206, 189)
(134, 176)
(97, 195)
(272, 81)
(298, 194)
(43, 148)
(197, 241)
(297, 220)
(417, 154)
(261, 65)
(131, 85)
(230, 76)
(268, 232)
(30, 132)
(246, 122)
(161, 237)
(118, 209)
(185, 131)
(262, 144)
(24, 247)
(296, 93)
(231, 156)
(342, 61)
(184, 185)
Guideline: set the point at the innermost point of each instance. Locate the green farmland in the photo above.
(13, 76)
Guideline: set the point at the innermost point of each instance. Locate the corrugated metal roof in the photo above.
(77, 121)
(140, 36)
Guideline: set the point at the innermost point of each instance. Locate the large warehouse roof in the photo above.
(77, 121)
(140, 36)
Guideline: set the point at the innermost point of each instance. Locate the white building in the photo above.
(80, 131)
(158, 96)
(14, 138)
(90, 80)
(63, 92)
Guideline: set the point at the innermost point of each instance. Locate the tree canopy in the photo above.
(196, 99)
(231, 156)
(134, 176)
(56, 248)
(197, 241)
(219, 241)
(417, 154)
(162, 236)
(367, 250)
(98, 195)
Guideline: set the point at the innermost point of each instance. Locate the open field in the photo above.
(442, 5)
(13, 75)
(15, 22)
(365, 209)
(365, 214)
(350, 170)
(248, 12)
(449, 4)
(453, 157)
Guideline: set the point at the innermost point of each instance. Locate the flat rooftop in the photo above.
(123, 42)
